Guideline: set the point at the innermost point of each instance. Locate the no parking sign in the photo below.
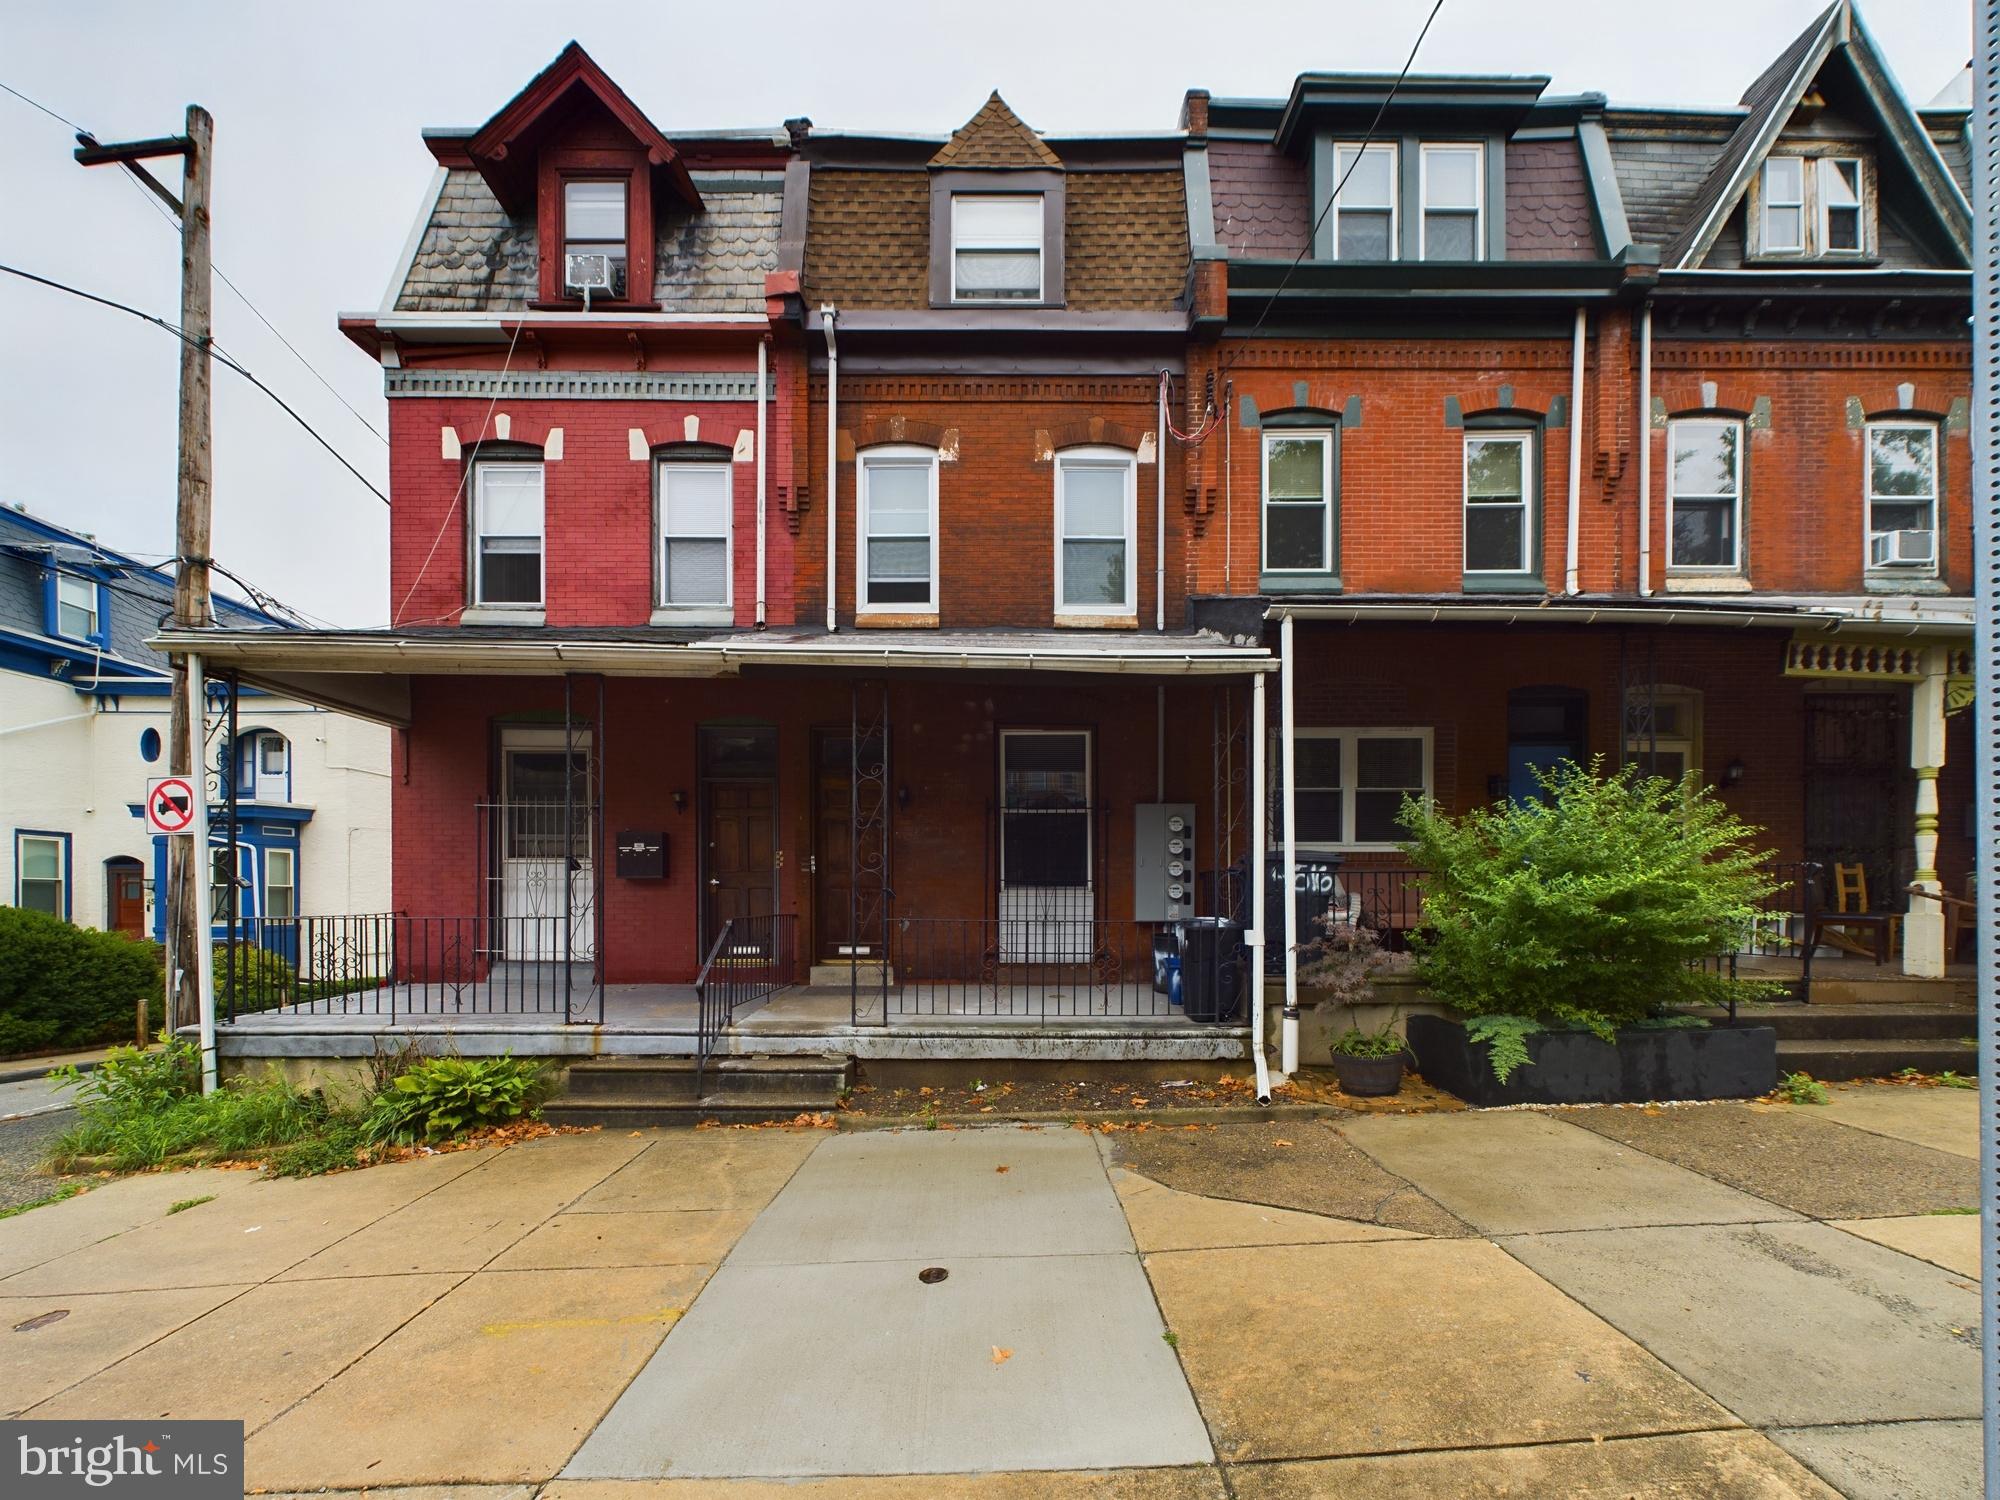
(170, 804)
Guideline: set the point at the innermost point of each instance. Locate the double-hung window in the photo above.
(281, 883)
(76, 607)
(1298, 501)
(1839, 203)
(1364, 207)
(898, 560)
(694, 501)
(996, 247)
(1784, 205)
(1453, 202)
(1096, 519)
(594, 250)
(1902, 496)
(41, 873)
(1352, 782)
(1497, 509)
(507, 537)
(1705, 493)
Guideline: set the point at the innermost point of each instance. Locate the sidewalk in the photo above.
(1719, 1301)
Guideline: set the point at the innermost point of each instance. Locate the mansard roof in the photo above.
(996, 137)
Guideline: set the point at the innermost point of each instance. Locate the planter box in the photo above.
(1569, 1067)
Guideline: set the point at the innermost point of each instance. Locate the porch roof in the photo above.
(1933, 615)
(366, 672)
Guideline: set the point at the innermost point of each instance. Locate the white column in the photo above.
(1255, 940)
(1923, 927)
(1288, 1042)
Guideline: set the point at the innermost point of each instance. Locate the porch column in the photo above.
(1923, 927)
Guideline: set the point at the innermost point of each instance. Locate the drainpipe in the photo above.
(1160, 516)
(202, 860)
(828, 317)
(1256, 935)
(1571, 573)
(1646, 451)
(763, 360)
(1288, 1046)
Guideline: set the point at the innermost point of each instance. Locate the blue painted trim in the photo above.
(68, 865)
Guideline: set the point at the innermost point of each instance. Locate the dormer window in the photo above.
(996, 247)
(76, 607)
(1807, 206)
(1364, 209)
(1839, 203)
(594, 245)
(1784, 204)
(1452, 202)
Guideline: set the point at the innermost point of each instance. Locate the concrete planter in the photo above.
(1568, 1067)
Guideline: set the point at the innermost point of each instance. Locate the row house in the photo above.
(857, 561)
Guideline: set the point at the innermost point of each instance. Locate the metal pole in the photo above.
(569, 841)
(232, 770)
(1288, 1048)
(199, 856)
(1256, 940)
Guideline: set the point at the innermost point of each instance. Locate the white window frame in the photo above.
(1040, 247)
(1768, 245)
(1350, 760)
(1324, 437)
(271, 882)
(94, 607)
(481, 467)
(587, 246)
(1424, 154)
(1828, 166)
(265, 740)
(1869, 499)
(1529, 516)
(1101, 458)
(662, 467)
(900, 456)
(23, 838)
(1394, 152)
(1674, 497)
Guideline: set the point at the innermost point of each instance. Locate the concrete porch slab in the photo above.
(1894, 1460)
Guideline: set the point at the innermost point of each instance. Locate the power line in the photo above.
(216, 353)
(37, 104)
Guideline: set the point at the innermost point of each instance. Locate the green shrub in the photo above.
(68, 986)
(441, 1096)
(263, 978)
(1586, 909)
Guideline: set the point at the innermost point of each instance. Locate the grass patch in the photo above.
(1801, 1088)
(67, 1190)
(187, 1203)
(1936, 1212)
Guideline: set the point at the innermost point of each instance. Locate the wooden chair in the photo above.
(1961, 915)
(1840, 926)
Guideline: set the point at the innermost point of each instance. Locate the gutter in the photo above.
(1828, 620)
(763, 362)
(1646, 451)
(1571, 574)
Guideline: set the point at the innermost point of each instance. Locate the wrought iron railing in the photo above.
(751, 959)
(1039, 969)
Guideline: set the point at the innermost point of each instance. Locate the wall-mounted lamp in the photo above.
(1732, 773)
(680, 800)
(903, 795)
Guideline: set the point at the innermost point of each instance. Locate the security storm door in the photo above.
(1046, 853)
(545, 843)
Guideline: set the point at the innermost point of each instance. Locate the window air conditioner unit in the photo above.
(1902, 549)
(587, 274)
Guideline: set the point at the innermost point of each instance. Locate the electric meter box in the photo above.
(1163, 861)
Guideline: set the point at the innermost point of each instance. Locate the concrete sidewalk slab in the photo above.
(1786, 1324)
(251, 1358)
(1942, 1119)
(497, 1381)
(1163, 1219)
(1304, 1165)
(469, 1221)
(1947, 1240)
(1894, 1460)
(892, 1195)
(1088, 1484)
(876, 1372)
(703, 1169)
(106, 1209)
(685, 1237)
(1518, 1172)
(87, 1335)
(1796, 1155)
(248, 1235)
(1686, 1466)
(1310, 1351)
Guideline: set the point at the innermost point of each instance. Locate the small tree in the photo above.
(1587, 908)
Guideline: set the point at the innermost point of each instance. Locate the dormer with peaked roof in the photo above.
(998, 199)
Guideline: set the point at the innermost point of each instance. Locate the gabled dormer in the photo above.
(572, 150)
(998, 207)
(1828, 166)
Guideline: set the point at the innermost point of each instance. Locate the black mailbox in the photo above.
(642, 854)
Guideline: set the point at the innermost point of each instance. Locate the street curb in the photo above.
(29, 1075)
(35, 1113)
(1189, 1115)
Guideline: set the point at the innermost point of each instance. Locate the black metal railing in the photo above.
(388, 965)
(751, 959)
(1025, 968)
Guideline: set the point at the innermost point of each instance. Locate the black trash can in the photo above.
(1211, 968)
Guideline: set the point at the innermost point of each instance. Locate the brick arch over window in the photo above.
(1706, 395)
(877, 432)
(1547, 404)
(1094, 432)
(1886, 401)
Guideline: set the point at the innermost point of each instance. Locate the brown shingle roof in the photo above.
(1127, 242)
(995, 137)
(868, 243)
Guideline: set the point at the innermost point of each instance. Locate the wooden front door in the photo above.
(740, 846)
(1859, 797)
(125, 897)
(834, 916)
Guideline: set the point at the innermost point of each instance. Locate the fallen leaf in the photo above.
(986, 1109)
(1003, 1169)
(1001, 1356)
(1281, 1143)
(1138, 1103)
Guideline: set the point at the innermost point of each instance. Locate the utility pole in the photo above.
(190, 984)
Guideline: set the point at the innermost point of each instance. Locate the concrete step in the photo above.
(1887, 987)
(1838, 1059)
(816, 1081)
(1877, 1022)
(838, 976)
(633, 1114)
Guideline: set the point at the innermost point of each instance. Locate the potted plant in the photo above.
(1341, 961)
(1370, 1063)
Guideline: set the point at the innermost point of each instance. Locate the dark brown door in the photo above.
(840, 930)
(125, 897)
(740, 866)
(1859, 793)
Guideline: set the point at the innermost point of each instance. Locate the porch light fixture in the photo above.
(1732, 773)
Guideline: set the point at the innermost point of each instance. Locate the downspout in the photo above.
(763, 362)
(1646, 451)
(1288, 1045)
(1258, 813)
(1571, 571)
(1160, 516)
(829, 315)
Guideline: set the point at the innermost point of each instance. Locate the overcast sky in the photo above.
(319, 171)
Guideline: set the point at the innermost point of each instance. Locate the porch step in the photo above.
(1887, 987)
(663, 1090)
(1876, 1022)
(1835, 1060)
(838, 975)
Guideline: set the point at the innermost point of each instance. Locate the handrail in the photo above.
(705, 1032)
